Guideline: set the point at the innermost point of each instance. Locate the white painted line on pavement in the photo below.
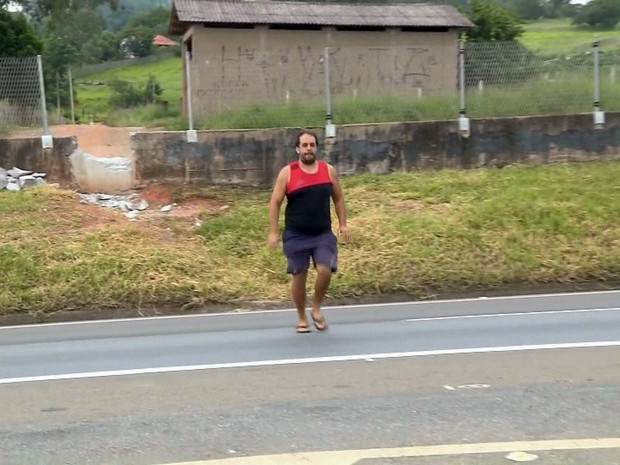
(498, 315)
(299, 361)
(350, 457)
(334, 307)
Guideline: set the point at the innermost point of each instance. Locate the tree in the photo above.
(100, 48)
(136, 38)
(558, 8)
(493, 22)
(137, 42)
(128, 9)
(17, 37)
(528, 9)
(82, 31)
(54, 11)
(603, 14)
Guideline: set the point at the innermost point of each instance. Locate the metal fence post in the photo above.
(599, 116)
(463, 120)
(46, 140)
(330, 129)
(58, 113)
(191, 134)
(71, 96)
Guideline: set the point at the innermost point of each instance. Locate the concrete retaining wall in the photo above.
(28, 154)
(255, 156)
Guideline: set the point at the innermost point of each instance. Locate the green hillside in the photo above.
(557, 36)
(94, 92)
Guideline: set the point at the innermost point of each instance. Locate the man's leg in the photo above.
(298, 260)
(298, 290)
(323, 278)
(325, 257)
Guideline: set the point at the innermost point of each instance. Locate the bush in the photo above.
(127, 95)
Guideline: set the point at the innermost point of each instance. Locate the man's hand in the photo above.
(273, 239)
(344, 233)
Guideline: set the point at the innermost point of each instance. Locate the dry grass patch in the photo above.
(415, 233)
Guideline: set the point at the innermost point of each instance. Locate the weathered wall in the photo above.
(233, 157)
(28, 154)
(234, 66)
(255, 156)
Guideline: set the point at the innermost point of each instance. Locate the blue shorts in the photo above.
(299, 248)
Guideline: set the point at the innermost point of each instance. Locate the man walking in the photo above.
(308, 185)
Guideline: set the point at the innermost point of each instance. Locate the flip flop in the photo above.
(303, 329)
(320, 323)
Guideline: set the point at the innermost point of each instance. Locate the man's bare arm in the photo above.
(339, 205)
(277, 197)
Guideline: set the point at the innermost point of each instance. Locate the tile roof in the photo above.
(186, 12)
(163, 41)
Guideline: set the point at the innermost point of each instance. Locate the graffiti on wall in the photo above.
(239, 73)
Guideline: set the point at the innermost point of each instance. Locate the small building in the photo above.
(163, 41)
(244, 51)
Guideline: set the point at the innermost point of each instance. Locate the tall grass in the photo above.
(414, 233)
(560, 93)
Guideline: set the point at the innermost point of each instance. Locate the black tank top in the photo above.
(308, 200)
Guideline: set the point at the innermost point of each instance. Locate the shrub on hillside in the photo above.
(126, 94)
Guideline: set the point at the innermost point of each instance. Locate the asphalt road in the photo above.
(175, 389)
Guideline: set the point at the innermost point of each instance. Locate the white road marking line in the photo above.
(497, 315)
(334, 307)
(350, 457)
(299, 361)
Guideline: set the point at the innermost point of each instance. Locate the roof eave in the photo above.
(180, 27)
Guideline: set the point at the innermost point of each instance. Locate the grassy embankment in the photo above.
(560, 36)
(417, 233)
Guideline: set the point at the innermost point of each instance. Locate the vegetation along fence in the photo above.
(343, 85)
(371, 84)
(22, 101)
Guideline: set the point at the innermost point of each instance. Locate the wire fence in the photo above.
(507, 79)
(249, 88)
(308, 86)
(20, 93)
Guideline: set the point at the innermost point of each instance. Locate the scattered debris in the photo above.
(17, 179)
(167, 208)
(129, 204)
(101, 174)
(521, 457)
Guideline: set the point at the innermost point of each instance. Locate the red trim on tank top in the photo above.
(299, 179)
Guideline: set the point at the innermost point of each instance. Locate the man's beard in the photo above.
(308, 159)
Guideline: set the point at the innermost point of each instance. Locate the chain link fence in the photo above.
(309, 86)
(22, 103)
(344, 85)
(403, 83)
(507, 79)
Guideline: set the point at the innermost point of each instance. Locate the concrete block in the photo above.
(13, 186)
(97, 174)
(18, 172)
(27, 181)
